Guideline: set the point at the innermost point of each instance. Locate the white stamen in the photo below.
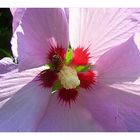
(68, 77)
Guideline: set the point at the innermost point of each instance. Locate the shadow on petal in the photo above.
(114, 109)
(24, 109)
(120, 64)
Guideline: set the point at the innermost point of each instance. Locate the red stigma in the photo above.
(48, 78)
(67, 95)
(86, 79)
(81, 56)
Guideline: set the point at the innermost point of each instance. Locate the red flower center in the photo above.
(68, 72)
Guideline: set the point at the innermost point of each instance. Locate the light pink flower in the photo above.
(108, 96)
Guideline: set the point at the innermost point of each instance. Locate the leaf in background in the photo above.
(5, 32)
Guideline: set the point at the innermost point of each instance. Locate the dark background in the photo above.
(5, 32)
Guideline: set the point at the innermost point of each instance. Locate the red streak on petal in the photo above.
(47, 78)
(86, 79)
(56, 51)
(67, 95)
(81, 56)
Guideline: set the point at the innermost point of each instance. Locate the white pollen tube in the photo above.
(68, 77)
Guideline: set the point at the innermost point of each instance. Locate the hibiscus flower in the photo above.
(78, 70)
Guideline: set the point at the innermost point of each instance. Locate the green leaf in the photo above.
(5, 33)
(5, 53)
(69, 55)
(56, 87)
(82, 68)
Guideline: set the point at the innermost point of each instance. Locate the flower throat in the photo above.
(66, 72)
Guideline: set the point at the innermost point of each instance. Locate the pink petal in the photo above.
(137, 40)
(14, 42)
(66, 10)
(7, 66)
(60, 117)
(22, 101)
(103, 28)
(116, 110)
(38, 27)
(119, 90)
(17, 16)
(120, 67)
(9, 81)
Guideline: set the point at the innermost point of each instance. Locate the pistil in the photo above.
(68, 77)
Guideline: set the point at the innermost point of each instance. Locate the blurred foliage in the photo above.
(5, 32)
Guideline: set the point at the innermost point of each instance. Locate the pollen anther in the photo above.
(68, 77)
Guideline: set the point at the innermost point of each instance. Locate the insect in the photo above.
(57, 63)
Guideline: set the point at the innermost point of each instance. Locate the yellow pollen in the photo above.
(68, 77)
